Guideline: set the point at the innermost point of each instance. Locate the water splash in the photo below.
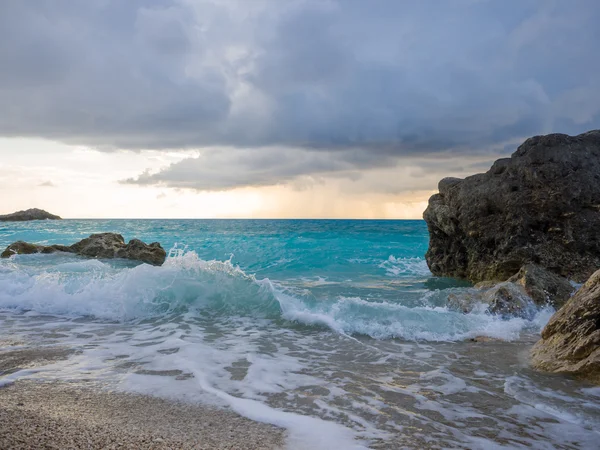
(105, 290)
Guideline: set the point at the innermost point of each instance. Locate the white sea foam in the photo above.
(185, 282)
(405, 266)
(561, 406)
(291, 346)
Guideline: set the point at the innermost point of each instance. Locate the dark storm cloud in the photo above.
(351, 84)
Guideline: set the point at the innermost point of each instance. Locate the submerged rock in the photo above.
(570, 341)
(485, 339)
(102, 245)
(29, 214)
(539, 206)
(464, 302)
(506, 299)
(25, 248)
(544, 288)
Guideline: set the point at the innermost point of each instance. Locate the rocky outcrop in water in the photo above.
(29, 214)
(540, 206)
(570, 342)
(531, 286)
(543, 287)
(103, 245)
(505, 299)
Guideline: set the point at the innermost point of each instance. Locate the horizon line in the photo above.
(222, 218)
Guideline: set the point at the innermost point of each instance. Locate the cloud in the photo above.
(224, 169)
(47, 184)
(275, 91)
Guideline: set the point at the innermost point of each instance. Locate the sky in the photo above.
(279, 108)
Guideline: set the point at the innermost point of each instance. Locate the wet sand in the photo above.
(77, 416)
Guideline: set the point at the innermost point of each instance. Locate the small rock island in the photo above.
(102, 245)
(29, 214)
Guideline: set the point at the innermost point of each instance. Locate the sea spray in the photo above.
(188, 283)
(333, 329)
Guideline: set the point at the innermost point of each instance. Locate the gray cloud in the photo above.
(225, 169)
(355, 84)
(47, 184)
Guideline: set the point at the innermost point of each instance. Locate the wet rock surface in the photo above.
(102, 245)
(540, 206)
(519, 296)
(570, 341)
(505, 299)
(543, 287)
(29, 214)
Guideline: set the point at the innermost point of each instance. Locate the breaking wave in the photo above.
(187, 283)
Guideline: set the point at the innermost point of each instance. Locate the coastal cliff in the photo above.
(540, 206)
(29, 214)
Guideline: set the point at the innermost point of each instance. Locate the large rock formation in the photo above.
(541, 206)
(103, 245)
(29, 214)
(570, 342)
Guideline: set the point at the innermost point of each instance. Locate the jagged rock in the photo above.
(486, 284)
(29, 214)
(542, 286)
(465, 302)
(570, 341)
(539, 206)
(25, 248)
(151, 253)
(21, 248)
(102, 245)
(506, 299)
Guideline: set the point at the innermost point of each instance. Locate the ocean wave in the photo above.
(405, 266)
(188, 283)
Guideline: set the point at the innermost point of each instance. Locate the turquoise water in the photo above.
(333, 329)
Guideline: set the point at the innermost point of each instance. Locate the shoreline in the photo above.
(58, 414)
(71, 415)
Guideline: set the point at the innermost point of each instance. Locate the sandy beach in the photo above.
(73, 415)
(59, 415)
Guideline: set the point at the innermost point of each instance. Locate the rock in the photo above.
(150, 253)
(485, 284)
(30, 214)
(570, 341)
(539, 206)
(485, 339)
(112, 245)
(544, 288)
(465, 302)
(103, 245)
(506, 299)
(25, 248)
(509, 300)
(21, 248)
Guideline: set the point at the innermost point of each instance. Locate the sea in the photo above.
(333, 329)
